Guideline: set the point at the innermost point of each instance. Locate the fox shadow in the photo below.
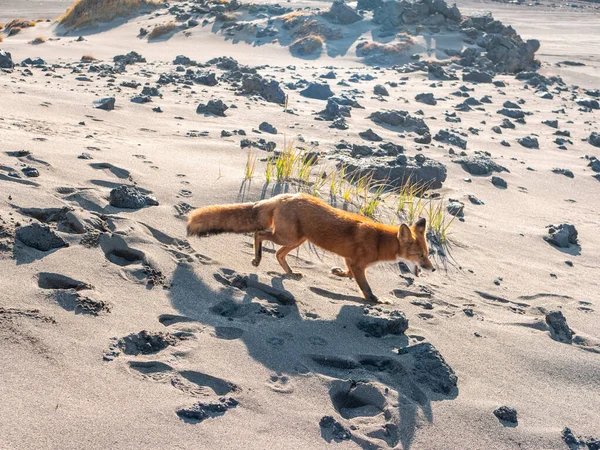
(287, 341)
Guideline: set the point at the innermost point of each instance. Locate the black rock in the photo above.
(378, 327)
(479, 165)
(151, 91)
(426, 98)
(267, 89)
(141, 99)
(565, 172)
(342, 13)
(30, 172)
(450, 138)
(215, 107)
(499, 182)
(559, 328)
(380, 89)
(506, 414)
(319, 91)
(130, 197)
(267, 128)
(40, 237)
(594, 139)
(529, 142)
(562, 235)
(370, 135)
(107, 104)
(6, 61)
(512, 113)
(477, 76)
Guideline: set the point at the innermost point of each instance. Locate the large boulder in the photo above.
(594, 139)
(6, 61)
(342, 13)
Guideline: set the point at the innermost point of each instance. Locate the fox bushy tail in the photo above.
(235, 218)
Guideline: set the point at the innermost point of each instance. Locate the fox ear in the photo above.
(404, 234)
(421, 225)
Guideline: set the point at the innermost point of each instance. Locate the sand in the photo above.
(261, 364)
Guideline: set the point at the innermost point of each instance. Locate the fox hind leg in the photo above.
(338, 271)
(281, 255)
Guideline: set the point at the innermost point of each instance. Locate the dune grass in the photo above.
(19, 23)
(91, 12)
(308, 44)
(14, 30)
(161, 30)
(88, 58)
(38, 40)
(391, 49)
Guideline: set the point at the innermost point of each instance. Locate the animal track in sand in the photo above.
(228, 333)
(191, 382)
(116, 171)
(49, 280)
(281, 384)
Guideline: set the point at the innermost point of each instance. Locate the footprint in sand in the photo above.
(281, 384)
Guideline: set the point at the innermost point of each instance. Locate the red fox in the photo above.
(290, 220)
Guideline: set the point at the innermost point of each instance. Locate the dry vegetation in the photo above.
(39, 40)
(161, 30)
(90, 12)
(392, 49)
(1, 38)
(19, 23)
(88, 58)
(307, 45)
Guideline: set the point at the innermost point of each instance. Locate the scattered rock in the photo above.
(594, 139)
(319, 91)
(559, 329)
(130, 197)
(565, 172)
(378, 327)
(267, 89)
(40, 237)
(499, 182)
(506, 414)
(342, 13)
(450, 138)
(107, 104)
(215, 107)
(479, 165)
(426, 98)
(6, 61)
(370, 135)
(529, 142)
(477, 76)
(561, 235)
(380, 89)
(267, 128)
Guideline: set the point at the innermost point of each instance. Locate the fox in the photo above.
(289, 220)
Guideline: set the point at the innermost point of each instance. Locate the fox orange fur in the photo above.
(290, 220)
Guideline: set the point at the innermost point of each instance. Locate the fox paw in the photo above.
(339, 272)
(295, 275)
(255, 262)
(381, 301)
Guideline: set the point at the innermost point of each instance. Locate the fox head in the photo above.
(413, 246)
